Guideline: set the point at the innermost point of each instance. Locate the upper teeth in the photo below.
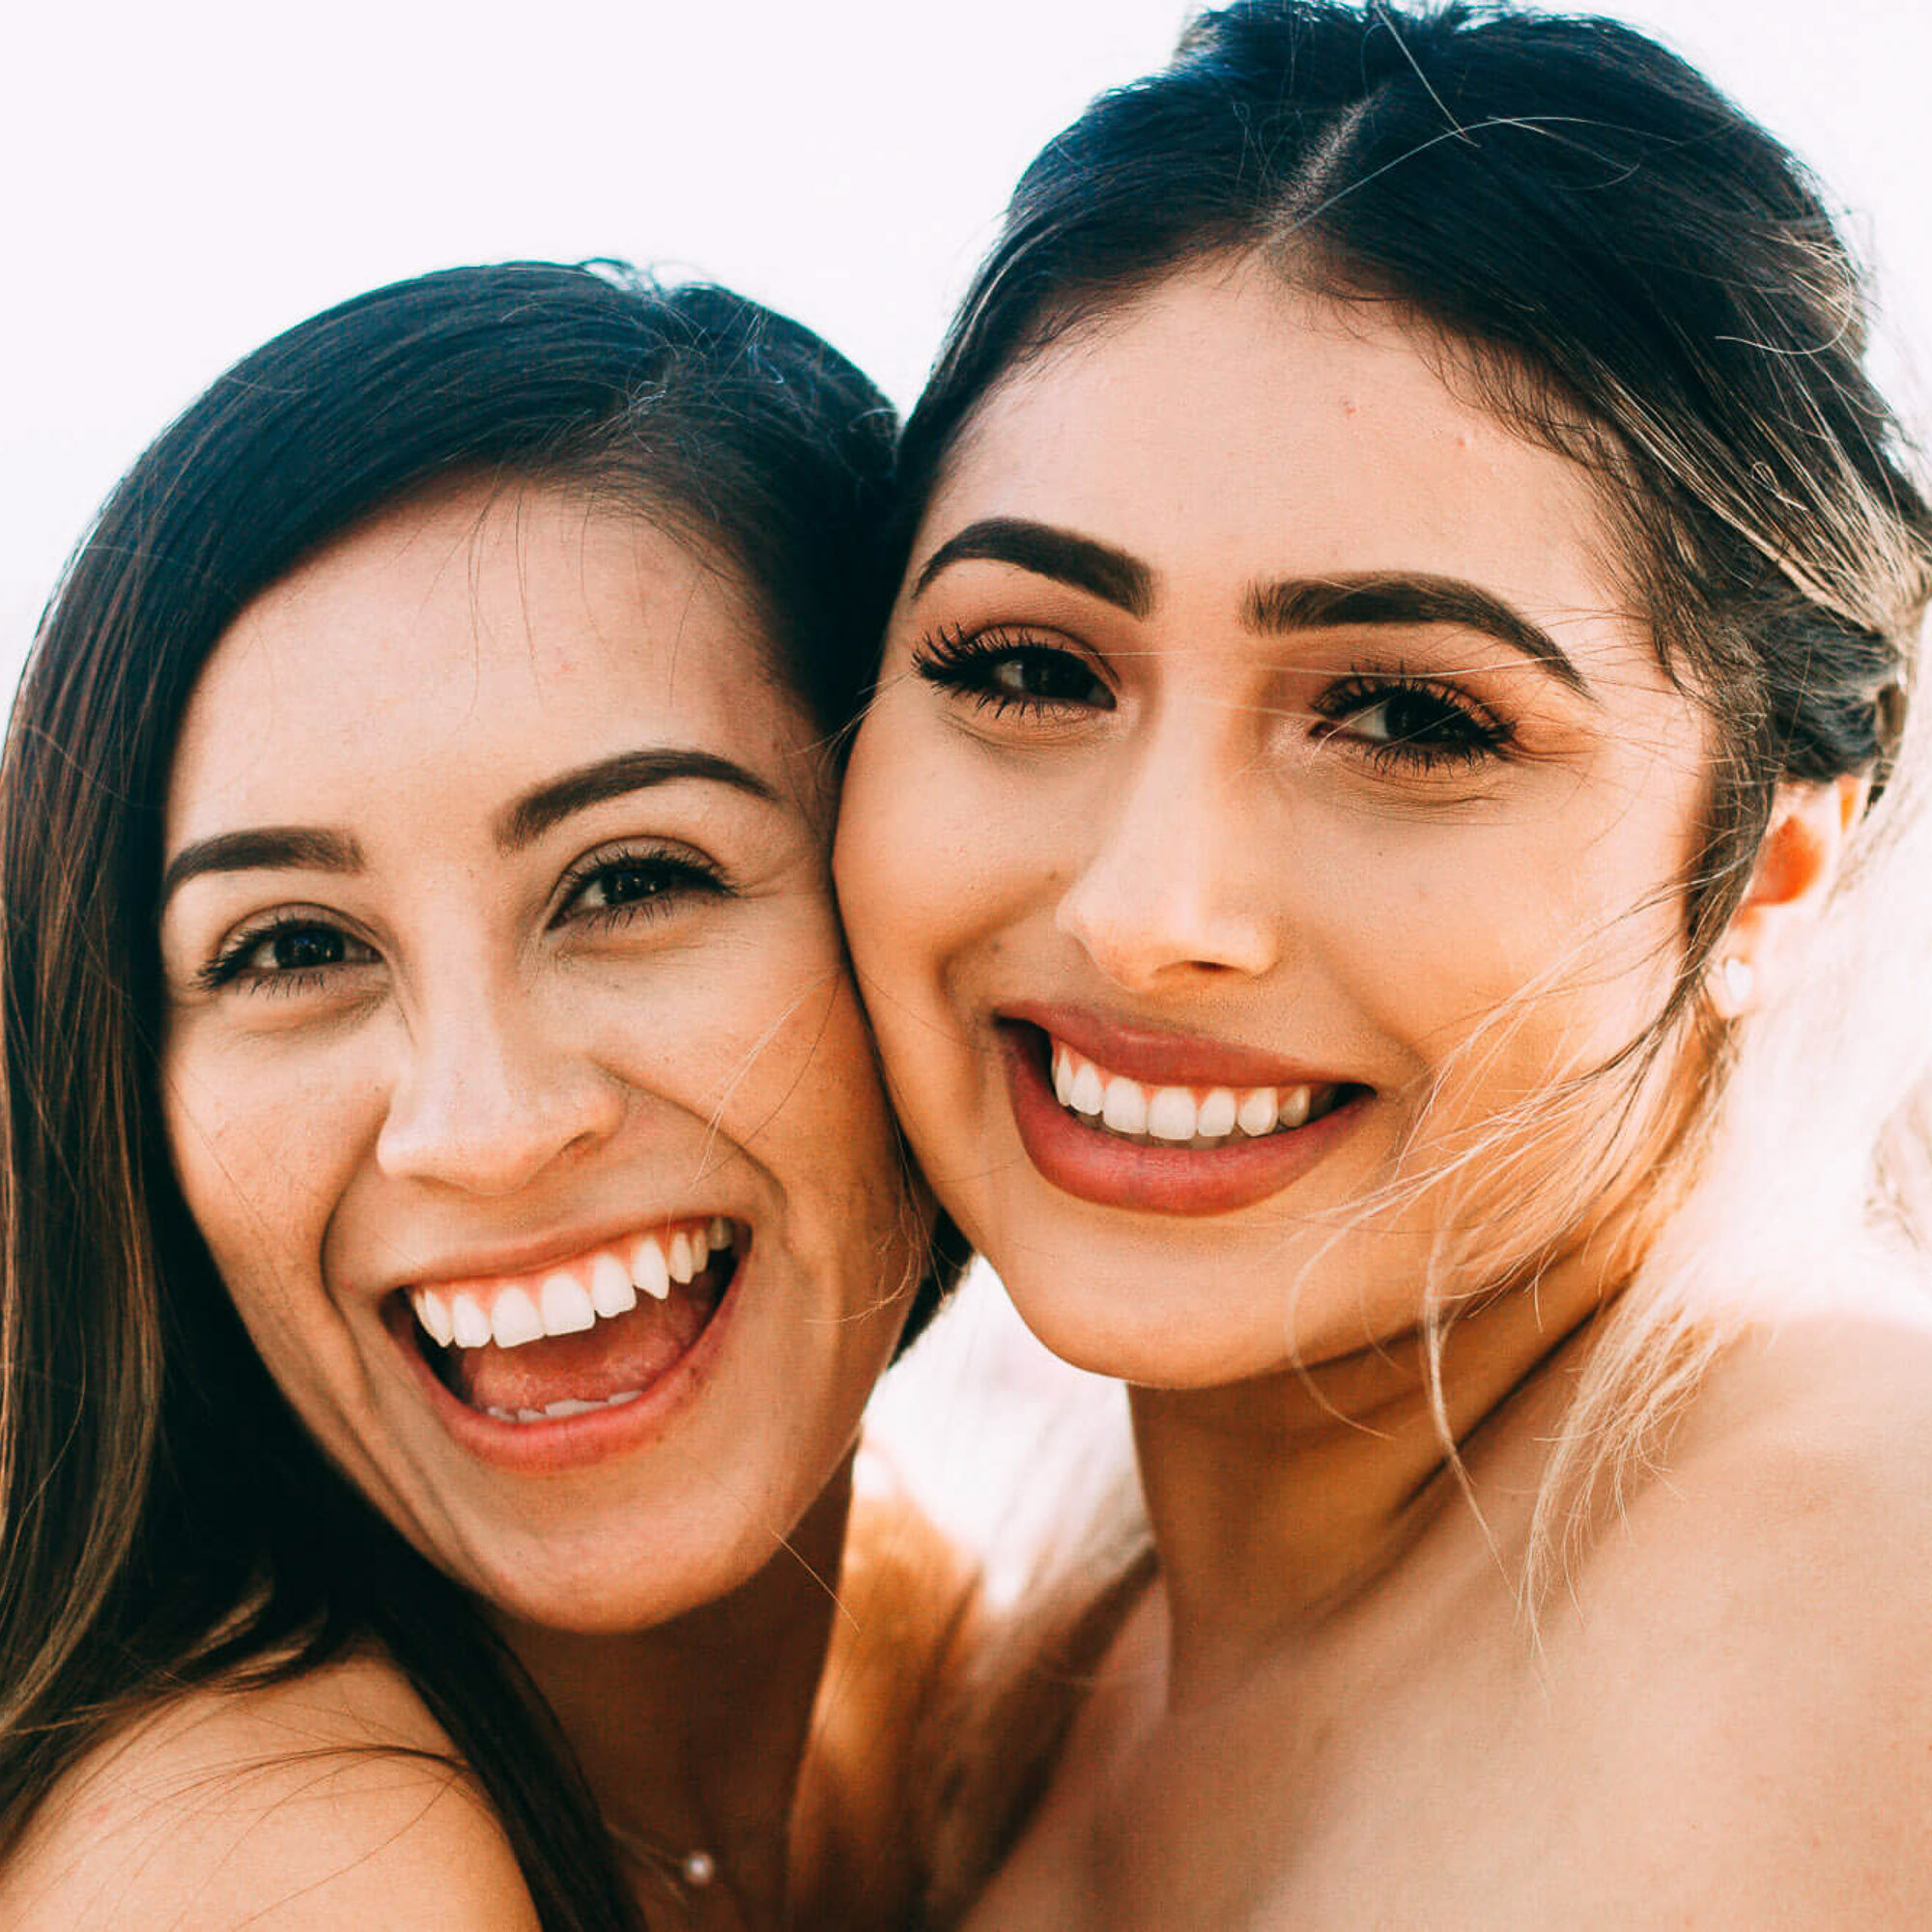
(575, 1294)
(1175, 1114)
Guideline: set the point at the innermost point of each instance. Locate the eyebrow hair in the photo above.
(536, 811)
(1111, 575)
(275, 847)
(264, 848)
(1399, 597)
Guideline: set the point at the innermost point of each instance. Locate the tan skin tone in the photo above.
(417, 1043)
(1122, 791)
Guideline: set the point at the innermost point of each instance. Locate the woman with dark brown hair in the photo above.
(1387, 867)
(451, 1223)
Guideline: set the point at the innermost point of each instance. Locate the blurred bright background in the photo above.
(183, 180)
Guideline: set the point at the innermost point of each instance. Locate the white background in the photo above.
(183, 179)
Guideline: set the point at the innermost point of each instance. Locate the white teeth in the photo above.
(1172, 1116)
(1062, 1077)
(612, 1290)
(514, 1320)
(1126, 1107)
(648, 1268)
(469, 1326)
(1090, 1092)
(563, 1408)
(434, 1315)
(565, 1306)
(561, 1304)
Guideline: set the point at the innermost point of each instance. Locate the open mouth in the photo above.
(1183, 1116)
(1163, 1147)
(593, 1332)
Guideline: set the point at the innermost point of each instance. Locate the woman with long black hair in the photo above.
(1387, 867)
(451, 1224)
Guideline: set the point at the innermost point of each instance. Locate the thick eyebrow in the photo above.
(1112, 575)
(313, 849)
(1396, 597)
(266, 848)
(536, 811)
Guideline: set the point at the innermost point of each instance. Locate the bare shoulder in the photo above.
(334, 1800)
(1756, 1649)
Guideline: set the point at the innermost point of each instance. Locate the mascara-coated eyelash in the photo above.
(1004, 669)
(1424, 725)
(637, 882)
(307, 949)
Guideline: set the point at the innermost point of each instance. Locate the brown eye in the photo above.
(997, 671)
(285, 955)
(304, 947)
(1409, 722)
(632, 883)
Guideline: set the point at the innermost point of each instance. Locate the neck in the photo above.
(1278, 1505)
(692, 1734)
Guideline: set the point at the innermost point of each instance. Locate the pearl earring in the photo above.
(1739, 981)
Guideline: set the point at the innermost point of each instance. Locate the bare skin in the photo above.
(1727, 1723)
(1138, 790)
(422, 1031)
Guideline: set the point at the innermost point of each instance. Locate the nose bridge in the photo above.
(492, 1089)
(1171, 879)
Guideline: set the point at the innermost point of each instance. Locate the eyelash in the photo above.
(230, 965)
(686, 873)
(677, 871)
(1478, 733)
(965, 664)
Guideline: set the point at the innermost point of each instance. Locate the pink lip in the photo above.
(572, 1442)
(1161, 1059)
(1098, 1167)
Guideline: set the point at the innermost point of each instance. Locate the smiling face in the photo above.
(513, 1074)
(1261, 719)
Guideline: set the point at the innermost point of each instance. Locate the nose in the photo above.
(1173, 889)
(489, 1099)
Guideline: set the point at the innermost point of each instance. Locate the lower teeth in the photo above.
(568, 1406)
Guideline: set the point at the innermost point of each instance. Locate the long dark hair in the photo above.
(167, 1520)
(1651, 282)
(1643, 279)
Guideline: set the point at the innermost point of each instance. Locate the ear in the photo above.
(1797, 864)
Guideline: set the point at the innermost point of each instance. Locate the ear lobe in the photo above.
(1798, 862)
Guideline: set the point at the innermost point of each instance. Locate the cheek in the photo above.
(928, 860)
(263, 1156)
(264, 1143)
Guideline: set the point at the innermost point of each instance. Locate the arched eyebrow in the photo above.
(321, 849)
(1274, 606)
(1046, 550)
(264, 848)
(1407, 598)
(556, 799)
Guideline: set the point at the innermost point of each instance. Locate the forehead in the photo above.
(493, 635)
(1227, 421)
